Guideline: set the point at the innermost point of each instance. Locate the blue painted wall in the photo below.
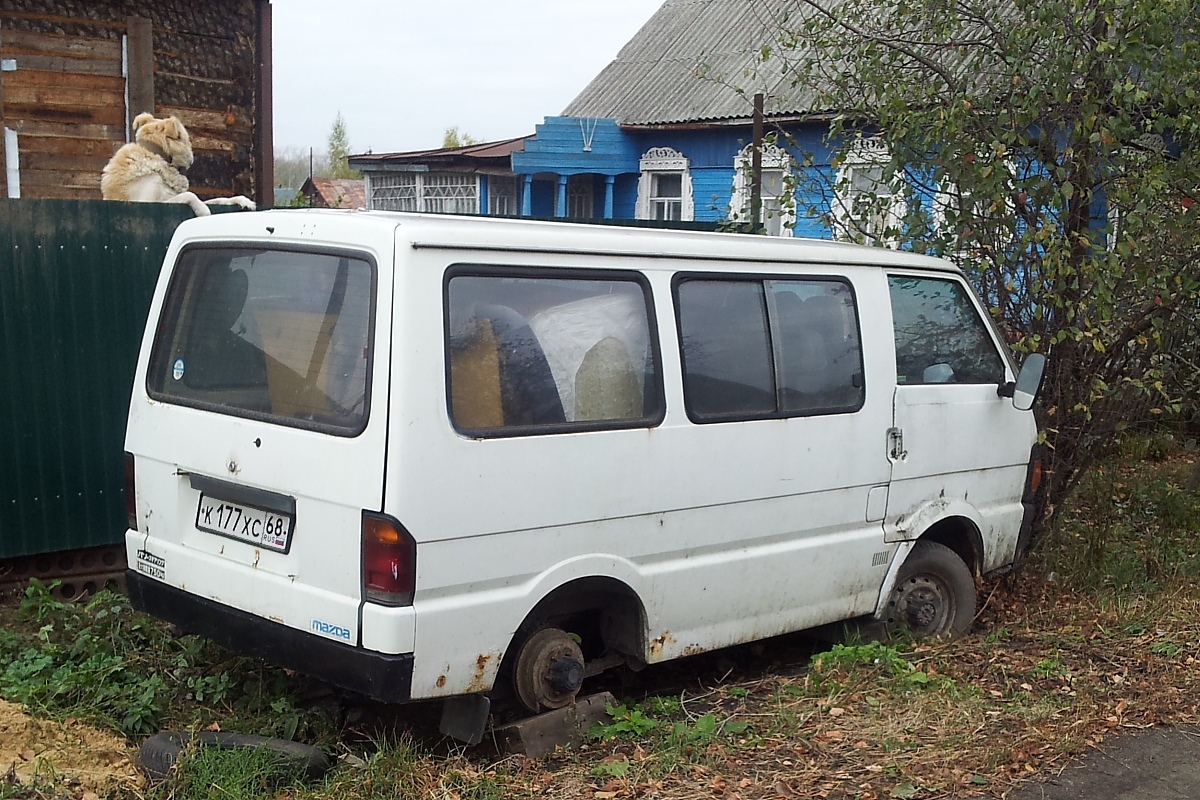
(625, 197)
(558, 147)
(712, 190)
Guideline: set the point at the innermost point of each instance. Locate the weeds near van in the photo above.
(103, 662)
(1099, 634)
(626, 723)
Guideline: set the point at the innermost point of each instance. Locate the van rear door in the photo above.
(259, 432)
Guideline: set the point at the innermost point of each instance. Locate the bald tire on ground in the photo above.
(160, 752)
(932, 573)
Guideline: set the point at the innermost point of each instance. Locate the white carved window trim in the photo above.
(867, 154)
(664, 161)
(773, 211)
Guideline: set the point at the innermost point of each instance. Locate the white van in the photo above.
(437, 457)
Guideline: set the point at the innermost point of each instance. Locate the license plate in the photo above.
(256, 526)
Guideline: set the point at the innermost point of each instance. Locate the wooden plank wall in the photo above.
(67, 97)
(66, 100)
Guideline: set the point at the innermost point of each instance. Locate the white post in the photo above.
(12, 163)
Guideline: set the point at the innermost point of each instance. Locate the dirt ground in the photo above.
(69, 752)
(1155, 764)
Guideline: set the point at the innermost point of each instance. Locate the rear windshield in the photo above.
(277, 335)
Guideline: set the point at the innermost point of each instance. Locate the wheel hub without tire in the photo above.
(549, 670)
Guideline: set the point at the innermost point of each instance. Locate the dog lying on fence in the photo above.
(150, 169)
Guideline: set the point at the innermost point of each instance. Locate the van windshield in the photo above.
(278, 335)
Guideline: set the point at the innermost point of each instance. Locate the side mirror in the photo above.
(938, 373)
(1029, 382)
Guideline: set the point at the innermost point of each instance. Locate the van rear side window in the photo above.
(533, 354)
(277, 335)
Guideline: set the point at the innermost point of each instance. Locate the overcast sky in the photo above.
(403, 71)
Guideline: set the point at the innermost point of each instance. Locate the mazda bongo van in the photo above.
(426, 457)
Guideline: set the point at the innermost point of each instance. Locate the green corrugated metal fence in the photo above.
(76, 279)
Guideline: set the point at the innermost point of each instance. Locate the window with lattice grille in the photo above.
(437, 192)
(398, 191)
(504, 196)
(579, 197)
(451, 193)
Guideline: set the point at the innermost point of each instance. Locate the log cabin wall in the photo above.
(75, 72)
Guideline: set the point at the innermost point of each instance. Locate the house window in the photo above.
(665, 187)
(435, 192)
(666, 195)
(395, 191)
(504, 196)
(579, 197)
(777, 214)
(451, 193)
(868, 204)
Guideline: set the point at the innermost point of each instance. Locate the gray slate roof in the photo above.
(687, 62)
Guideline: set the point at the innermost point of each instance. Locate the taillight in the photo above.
(130, 493)
(389, 560)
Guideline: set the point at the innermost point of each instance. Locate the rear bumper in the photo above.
(386, 678)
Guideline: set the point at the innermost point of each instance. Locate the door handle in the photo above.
(895, 444)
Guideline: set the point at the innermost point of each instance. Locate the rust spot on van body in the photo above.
(659, 642)
(441, 681)
(479, 681)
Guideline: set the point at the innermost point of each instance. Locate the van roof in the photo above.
(481, 233)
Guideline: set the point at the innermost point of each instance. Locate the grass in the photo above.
(1096, 636)
(208, 774)
(107, 664)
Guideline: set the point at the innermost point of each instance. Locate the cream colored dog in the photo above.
(150, 169)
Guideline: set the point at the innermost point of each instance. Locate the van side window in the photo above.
(819, 354)
(766, 348)
(940, 337)
(530, 354)
(726, 348)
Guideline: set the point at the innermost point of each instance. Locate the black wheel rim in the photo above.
(921, 605)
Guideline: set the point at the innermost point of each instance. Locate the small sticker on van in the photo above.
(177, 369)
(150, 564)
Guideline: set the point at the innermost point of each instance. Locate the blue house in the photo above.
(664, 132)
